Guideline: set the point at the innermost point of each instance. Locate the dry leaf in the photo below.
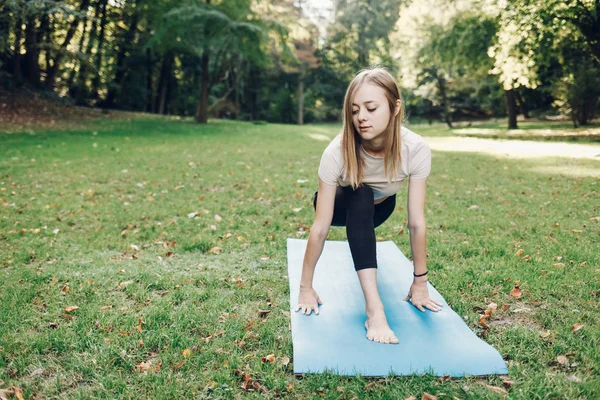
(516, 292)
(483, 324)
(215, 250)
(250, 324)
(519, 252)
(218, 218)
(179, 364)
(496, 389)
(263, 313)
(562, 360)
(574, 378)
(284, 361)
(152, 365)
(577, 327)
(186, 353)
(71, 308)
(270, 358)
(508, 383)
(427, 396)
(264, 258)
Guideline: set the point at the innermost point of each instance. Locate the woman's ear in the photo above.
(398, 105)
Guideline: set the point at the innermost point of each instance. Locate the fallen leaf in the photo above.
(186, 353)
(496, 389)
(574, 378)
(284, 361)
(105, 308)
(263, 313)
(179, 364)
(264, 258)
(562, 360)
(270, 358)
(250, 324)
(508, 383)
(124, 284)
(215, 250)
(71, 308)
(577, 327)
(516, 292)
(473, 207)
(519, 252)
(152, 365)
(483, 324)
(427, 396)
(218, 218)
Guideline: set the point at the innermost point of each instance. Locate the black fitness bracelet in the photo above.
(421, 274)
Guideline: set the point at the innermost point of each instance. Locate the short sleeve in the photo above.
(329, 168)
(420, 162)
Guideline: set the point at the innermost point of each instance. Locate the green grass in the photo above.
(74, 203)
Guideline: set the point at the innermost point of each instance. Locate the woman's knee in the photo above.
(363, 197)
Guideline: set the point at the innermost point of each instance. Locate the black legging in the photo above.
(355, 210)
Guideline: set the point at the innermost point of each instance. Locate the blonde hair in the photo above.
(351, 140)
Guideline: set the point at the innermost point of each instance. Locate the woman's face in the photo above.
(370, 111)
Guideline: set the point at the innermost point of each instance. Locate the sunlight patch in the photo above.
(569, 170)
(514, 148)
(318, 136)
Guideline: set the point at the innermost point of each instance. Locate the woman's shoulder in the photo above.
(335, 145)
(411, 139)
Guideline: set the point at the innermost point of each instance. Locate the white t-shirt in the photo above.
(416, 163)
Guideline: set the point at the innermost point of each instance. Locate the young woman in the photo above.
(360, 172)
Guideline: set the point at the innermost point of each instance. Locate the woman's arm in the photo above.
(418, 292)
(417, 226)
(318, 232)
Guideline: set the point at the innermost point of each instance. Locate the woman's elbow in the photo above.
(319, 231)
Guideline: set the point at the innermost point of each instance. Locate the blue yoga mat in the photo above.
(439, 343)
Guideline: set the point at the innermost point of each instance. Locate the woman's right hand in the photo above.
(308, 300)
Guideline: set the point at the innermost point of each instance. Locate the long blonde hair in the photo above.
(351, 140)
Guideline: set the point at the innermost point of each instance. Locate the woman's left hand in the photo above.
(420, 297)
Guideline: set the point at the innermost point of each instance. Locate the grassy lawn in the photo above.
(170, 238)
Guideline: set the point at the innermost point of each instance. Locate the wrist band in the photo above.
(421, 274)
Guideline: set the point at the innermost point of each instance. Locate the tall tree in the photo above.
(215, 32)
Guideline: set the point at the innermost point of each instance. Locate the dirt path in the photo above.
(515, 148)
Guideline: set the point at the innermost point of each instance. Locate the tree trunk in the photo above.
(254, 89)
(32, 66)
(82, 90)
(51, 75)
(150, 92)
(511, 108)
(301, 95)
(522, 104)
(73, 74)
(441, 83)
(202, 109)
(16, 67)
(121, 61)
(163, 82)
(47, 28)
(99, 51)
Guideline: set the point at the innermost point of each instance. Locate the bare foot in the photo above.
(378, 329)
